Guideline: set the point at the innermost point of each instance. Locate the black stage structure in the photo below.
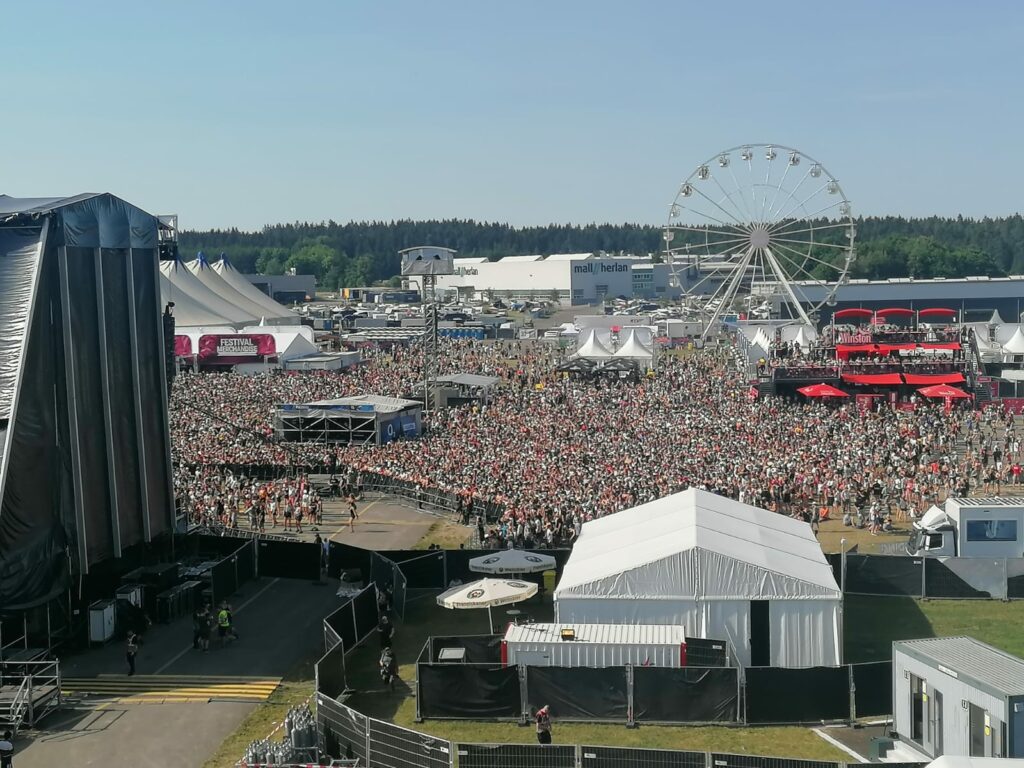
(85, 473)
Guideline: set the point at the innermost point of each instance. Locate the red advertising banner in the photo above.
(1013, 404)
(237, 348)
(865, 403)
(182, 346)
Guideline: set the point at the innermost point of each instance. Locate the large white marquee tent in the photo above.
(722, 569)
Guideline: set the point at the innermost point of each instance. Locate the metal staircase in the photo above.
(28, 691)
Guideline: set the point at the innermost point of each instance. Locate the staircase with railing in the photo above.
(28, 691)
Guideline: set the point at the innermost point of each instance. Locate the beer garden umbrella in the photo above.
(487, 593)
(943, 390)
(512, 561)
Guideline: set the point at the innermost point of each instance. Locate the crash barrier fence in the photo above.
(345, 629)
(234, 570)
(481, 688)
(378, 744)
(928, 577)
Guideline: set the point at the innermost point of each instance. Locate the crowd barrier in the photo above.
(378, 744)
(481, 688)
(235, 563)
(957, 578)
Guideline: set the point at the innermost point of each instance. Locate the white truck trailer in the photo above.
(971, 527)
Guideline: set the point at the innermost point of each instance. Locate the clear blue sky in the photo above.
(246, 113)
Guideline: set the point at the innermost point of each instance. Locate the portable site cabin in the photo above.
(721, 568)
(958, 696)
(594, 645)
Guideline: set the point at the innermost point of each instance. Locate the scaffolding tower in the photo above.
(426, 262)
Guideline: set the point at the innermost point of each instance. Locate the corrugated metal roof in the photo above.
(380, 403)
(569, 256)
(988, 501)
(973, 658)
(604, 634)
(513, 259)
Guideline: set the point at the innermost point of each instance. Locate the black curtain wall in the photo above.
(86, 474)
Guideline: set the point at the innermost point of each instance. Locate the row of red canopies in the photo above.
(864, 314)
(936, 390)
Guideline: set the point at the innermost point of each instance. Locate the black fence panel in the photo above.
(364, 607)
(1015, 586)
(779, 695)
(330, 672)
(342, 730)
(342, 557)
(246, 555)
(516, 756)
(626, 757)
(467, 691)
(888, 575)
(701, 652)
(398, 594)
(382, 571)
(873, 688)
(579, 693)
(940, 581)
(394, 747)
(719, 760)
(222, 580)
(686, 695)
(204, 545)
(289, 559)
(343, 623)
(480, 649)
(425, 571)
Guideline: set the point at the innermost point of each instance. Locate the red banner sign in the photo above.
(182, 346)
(238, 348)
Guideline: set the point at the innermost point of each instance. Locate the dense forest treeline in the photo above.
(363, 253)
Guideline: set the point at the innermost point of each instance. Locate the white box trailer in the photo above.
(594, 645)
(971, 527)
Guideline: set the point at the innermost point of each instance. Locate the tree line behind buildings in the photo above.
(365, 253)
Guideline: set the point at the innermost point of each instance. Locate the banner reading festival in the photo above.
(242, 348)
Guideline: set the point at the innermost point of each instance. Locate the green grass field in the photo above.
(871, 624)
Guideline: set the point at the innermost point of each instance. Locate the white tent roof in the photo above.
(187, 283)
(591, 347)
(696, 544)
(304, 330)
(1015, 344)
(272, 311)
(209, 277)
(187, 310)
(632, 349)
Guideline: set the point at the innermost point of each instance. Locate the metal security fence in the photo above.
(392, 746)
(721, 760)
(515, 756)
(956, 578)
(342, 731)
(626, 757)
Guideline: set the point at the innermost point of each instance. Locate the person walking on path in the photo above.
(7, 750)
(225, 630)
(352, 513)
(544, 725)
(131, 651)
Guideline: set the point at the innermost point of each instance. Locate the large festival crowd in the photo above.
(554, 451)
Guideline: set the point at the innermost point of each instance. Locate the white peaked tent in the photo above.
(805, 336)
(725, 570)
(209, 277)
(273, 312)
(590, 346)
(187, 311)
(1015, 344)
(632, 349)
(184, 282)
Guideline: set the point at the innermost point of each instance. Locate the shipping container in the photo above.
(594, 645)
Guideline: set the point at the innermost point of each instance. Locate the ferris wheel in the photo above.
(760, 229)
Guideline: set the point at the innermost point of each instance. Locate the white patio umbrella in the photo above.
(512, 561)
(486, 593)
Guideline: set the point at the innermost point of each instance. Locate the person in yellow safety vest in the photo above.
(224, 628)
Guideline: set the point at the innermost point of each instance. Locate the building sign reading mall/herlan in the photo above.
(599, 267)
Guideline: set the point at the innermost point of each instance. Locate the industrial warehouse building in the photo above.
(578, 278)
(958, 696)
(722, 569)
